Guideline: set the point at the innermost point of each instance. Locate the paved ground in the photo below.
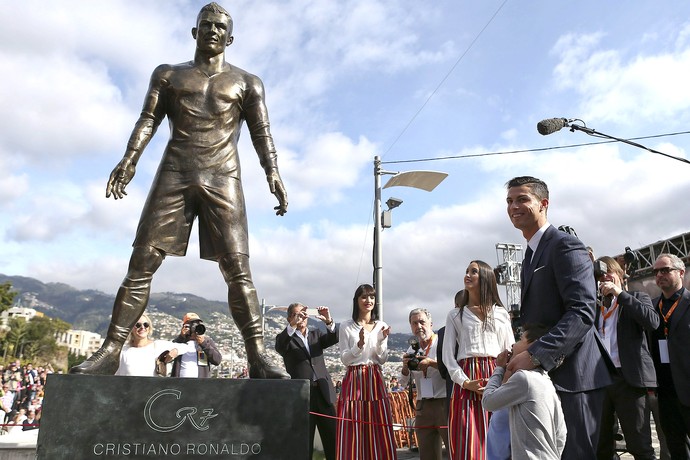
(407, 454)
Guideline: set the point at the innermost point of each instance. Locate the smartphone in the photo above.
(312, 312)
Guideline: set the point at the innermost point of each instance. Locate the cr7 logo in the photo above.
(199, 422)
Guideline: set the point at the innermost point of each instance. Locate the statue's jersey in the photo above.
(206, 114)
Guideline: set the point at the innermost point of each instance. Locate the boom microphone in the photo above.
(551, 125)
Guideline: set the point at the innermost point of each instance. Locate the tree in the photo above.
(33, 340)
(7, 296)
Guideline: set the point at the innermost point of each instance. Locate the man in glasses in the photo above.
(670, 344)
(197, 361)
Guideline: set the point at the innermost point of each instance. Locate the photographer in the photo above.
(195, 363)
(431, 409)
(623, 321)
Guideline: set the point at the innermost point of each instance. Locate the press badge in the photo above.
(426, 388)
(201, 358)
(663, 351)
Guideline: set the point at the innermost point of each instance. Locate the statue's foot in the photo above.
(104, 362)
(262, 368)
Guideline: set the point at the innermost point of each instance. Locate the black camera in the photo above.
(413, 363)
(195, 327)
(600, 269)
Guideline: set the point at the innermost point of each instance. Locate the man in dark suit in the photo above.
(558, 291)
(670, 344)
(302, 352)
(623, 320)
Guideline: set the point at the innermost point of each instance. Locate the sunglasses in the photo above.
(663, 270)
(140, 325)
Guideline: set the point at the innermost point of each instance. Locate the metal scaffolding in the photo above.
(508, 274)
(678, 245)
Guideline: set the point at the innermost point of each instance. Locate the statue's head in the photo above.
(212, 23)
(213, 7)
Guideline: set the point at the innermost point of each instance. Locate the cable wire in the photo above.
(542, 149)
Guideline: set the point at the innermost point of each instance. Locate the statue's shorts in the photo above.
(177, 198)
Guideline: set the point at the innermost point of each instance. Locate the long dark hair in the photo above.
(488, 290)
(364, 289)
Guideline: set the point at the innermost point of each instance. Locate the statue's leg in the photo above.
(245, 311)
(130, 303)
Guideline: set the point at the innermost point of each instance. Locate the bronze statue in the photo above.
(206, 101)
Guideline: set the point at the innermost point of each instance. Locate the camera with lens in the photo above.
(195, 327)
(600, 269)
(413, 363)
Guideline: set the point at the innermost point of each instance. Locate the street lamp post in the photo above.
(265, 309)
(424, 180)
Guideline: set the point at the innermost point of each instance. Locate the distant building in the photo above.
(80, 342)
(18, 312)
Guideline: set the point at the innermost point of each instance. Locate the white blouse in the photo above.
(473, 340)
(141, 361)
(374, 351)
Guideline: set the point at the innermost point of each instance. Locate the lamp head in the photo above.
(393, 203)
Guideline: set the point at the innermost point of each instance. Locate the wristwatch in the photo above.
(534, 360)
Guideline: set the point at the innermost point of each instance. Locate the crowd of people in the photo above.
(591, 357)
(22, 393)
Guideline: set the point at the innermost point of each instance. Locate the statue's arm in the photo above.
(256, 114)
(150, 118)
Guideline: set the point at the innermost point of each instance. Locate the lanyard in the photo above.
(667, 316)
(607, 314)
(428, 347)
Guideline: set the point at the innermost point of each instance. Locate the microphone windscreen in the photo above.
(550, 125)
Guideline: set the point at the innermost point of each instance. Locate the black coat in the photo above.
(308, 365)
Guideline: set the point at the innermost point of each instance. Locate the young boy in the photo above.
(537, 426)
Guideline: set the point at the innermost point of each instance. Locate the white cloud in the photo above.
(342, 79)
(625, 88)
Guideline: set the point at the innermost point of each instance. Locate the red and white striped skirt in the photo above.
(468, 422)
(365, 422)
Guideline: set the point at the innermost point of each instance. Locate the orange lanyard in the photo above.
(667, 316)
(428, 347)
(607, 314)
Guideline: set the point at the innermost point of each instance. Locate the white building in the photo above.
(80, 342)
(18, 312)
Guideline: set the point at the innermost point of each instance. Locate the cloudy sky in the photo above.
(345, 81)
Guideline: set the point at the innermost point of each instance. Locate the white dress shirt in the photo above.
(473, 340)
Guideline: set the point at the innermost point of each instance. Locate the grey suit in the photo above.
(674, 377)
(627, 396)
(558, 291)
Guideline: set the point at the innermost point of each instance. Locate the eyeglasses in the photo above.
(140, 325)
(663, 270)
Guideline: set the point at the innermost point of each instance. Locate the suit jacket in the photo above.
(308, 365)
(558, 291)
(442, 369)
(678, 346)
(637, 315)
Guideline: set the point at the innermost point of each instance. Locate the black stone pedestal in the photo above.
(116, 417)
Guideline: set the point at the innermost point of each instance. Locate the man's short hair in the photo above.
(676, 262)
(534, 331)
(417, 311)
(292, 307)
(537, 186)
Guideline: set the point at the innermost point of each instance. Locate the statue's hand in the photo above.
(119, 178)
(275, 183)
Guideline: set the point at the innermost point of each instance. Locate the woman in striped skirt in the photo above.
(365, 430)
(479, 328)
